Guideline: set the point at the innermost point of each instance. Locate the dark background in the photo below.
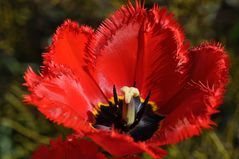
(26, 27)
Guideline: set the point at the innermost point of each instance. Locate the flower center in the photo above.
(128, 114)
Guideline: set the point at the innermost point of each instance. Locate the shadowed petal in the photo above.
(128, 157)
(121, 144)
(69, 149)
(191, 108)
(210, 65)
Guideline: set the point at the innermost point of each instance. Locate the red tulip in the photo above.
(133, 84)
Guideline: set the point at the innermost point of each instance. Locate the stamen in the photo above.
(141, 110)
(143, 106)
(129, 107)
(115, 95)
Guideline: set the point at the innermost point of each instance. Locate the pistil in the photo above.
(129, 106)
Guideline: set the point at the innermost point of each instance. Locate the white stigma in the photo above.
(129, 108)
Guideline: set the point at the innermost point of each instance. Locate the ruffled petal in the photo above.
(162, 66)
(69, 46)
(61, 97)
(115, 49)
(210, 65)
(191, 108)
(142, 47)
(122, 144)
(69, 149)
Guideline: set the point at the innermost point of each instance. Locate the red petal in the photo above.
(163, 62)
(61, 97)
(128, 157)
(121, 144)
(115, 49)
(69, 46)
(146, 48)
(191, 109)
(69, 149)
(210, 65)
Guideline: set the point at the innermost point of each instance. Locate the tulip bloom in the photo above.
(132, 85)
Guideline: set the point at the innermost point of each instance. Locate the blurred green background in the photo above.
(26, 27)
